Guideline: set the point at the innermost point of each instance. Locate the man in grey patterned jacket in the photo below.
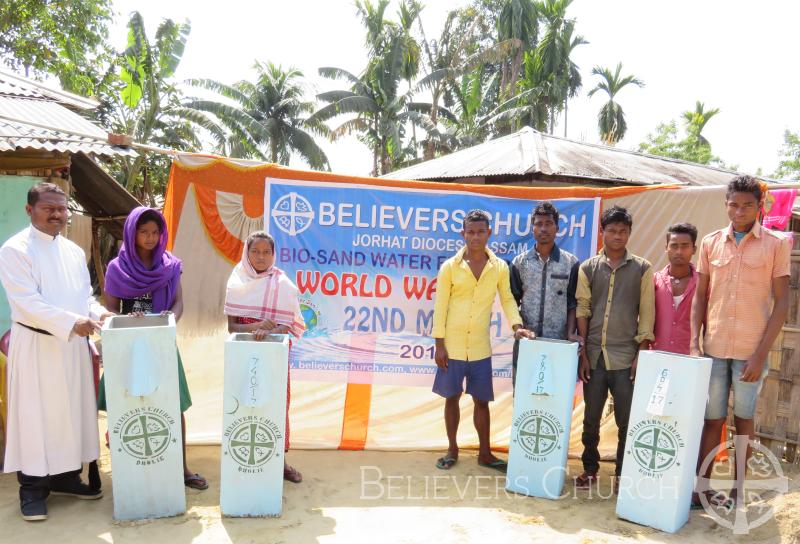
(543, 281)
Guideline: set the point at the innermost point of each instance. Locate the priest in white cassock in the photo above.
(52, 415)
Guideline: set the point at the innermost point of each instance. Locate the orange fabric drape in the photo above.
(226, 243)
(218, 174)
(356, 416)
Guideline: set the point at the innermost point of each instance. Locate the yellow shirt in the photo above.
(463, 306)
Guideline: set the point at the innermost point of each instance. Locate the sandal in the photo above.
(446, 462)
(195, 481)
(291, 474)
(585, 480)
(497, 464)
(714, 499)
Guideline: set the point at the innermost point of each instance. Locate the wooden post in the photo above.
(98, 262)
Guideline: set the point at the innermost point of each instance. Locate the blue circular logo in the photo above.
(292, 214)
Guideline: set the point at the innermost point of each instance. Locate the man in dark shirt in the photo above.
(616, 311)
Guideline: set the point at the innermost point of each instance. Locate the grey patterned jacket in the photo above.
(545, 291)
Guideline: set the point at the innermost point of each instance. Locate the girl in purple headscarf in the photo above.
(145, 278)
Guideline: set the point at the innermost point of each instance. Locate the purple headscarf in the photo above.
(127, 277)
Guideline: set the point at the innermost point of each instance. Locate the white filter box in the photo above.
(663, 440)
(543, 399)
(140, 361)
(254, 425)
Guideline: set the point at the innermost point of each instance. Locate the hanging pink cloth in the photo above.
(776, 216)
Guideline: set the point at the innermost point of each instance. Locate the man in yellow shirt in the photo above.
(465, 290)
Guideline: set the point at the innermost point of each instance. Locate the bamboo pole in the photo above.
(98, 263)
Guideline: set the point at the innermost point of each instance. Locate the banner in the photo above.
(365, 260)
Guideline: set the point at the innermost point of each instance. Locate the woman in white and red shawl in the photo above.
(261, 299)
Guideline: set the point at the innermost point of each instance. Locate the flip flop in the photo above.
(446, 463)
(291, 474)
(585, 480)
(500, 465)
(195, 481)
(717, 499)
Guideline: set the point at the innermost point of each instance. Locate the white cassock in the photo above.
(52, 411)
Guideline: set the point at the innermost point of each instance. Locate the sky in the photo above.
(733, 55)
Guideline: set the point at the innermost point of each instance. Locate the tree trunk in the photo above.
(133, 173)
(385, 166)
(430, 147)
(146, 189)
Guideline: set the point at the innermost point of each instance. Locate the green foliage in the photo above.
(517, 20)
(494, 67)
(377, 107)
(147, 105)
(695, 121)
(267, 119)
(789, 165)
(666, 142)
(611, 119)
(66, 39)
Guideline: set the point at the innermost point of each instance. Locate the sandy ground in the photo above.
(385, 497)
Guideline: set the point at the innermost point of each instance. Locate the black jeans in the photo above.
(34, 488)
(595, 393)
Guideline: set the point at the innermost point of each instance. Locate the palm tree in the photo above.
(611, 119)
(469, 121)
(268, 119)
(448, 59)
(537, 96)
(517, 20)
(380, 107)
(696, 120)
(555, 50)
(475, 115)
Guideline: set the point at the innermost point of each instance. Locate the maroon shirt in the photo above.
(673, 325)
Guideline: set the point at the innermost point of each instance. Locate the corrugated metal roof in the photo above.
(100, 194)
(14, 85)
(20, 127)
(7, 88)
(529, 152)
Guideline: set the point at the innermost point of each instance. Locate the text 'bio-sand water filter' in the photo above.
(140, 362)
(543, 399)
(663, 441)
(254, 425)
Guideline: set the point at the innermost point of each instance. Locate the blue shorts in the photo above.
(449, 383)
(724, 373)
